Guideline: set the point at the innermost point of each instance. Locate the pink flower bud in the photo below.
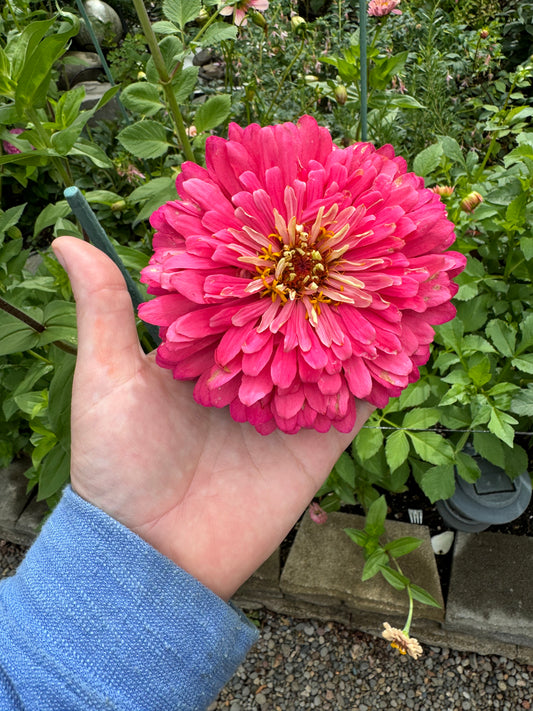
(471, 201)
(443, 190)
(317, 514)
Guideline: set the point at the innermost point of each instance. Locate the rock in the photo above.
(80, 67)
(105, 22)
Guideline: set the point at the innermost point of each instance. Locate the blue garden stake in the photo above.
(97, 236)
(364, 78)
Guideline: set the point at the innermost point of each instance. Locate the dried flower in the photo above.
(401, 641)
(443, 190)
(294, 276)
(317, 513)
(471, 201)
(380, 8)
(241, 7)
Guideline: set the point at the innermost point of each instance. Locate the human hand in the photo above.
(209, 493)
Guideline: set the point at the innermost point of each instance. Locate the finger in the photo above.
(107, 335)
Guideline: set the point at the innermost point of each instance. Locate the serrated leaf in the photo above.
(185, 83)
(516, 211)
(142, 97)
(163, 27)
(526, 245)
(181, 11)
(526, 330)
(500, 424)
(414, 394)
(522, 402)
(145, 139)
(218, 32)
(428, 159)
(452, 150)
(423, 596)
(432, 447)
(421, 418)
(489, 447)
(467, 467)
(396, 449)
(503, 335)
(368, 442)
(214, 112)
(524, 363)
(438, 482)
(394, 578)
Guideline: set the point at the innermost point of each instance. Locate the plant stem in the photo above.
(164, 78)
(282, 81)
(32, 323)
(407, 625)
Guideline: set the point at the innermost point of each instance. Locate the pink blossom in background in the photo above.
(9, 147)
(317, 513)
(240, 8)
(380, 8)
(292, 276)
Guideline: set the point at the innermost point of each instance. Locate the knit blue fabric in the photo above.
(95, 618)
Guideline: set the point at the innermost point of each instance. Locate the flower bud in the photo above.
(341, 94)
(141, 76)
(14, 232)
(202, 17)
(118, 206)
(317, 513)
(471, 201)
(298, 23)
(443, 190)
(484, 33)
(258, 19)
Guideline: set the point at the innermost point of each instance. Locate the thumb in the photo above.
(107, 335)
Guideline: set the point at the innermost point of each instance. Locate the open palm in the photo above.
(213, 495)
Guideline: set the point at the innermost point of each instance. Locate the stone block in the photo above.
(20, 514)
(324, 568)
(264, 583)
(490, 587)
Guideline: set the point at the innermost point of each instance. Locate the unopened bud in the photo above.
(202, 17)
(443, 190)
(14, 232)
(141, 75)
(471, 201)
(258, 19)
(298, 23)
(341, 94)
(484, 33)
(118, 206)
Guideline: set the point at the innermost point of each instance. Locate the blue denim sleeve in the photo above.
(95, 618)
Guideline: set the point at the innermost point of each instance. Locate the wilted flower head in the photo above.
(317, 513)
(9, 147)
(380, 8)
(293, 276)
(401, 641)
(471, 201)
(241, 7)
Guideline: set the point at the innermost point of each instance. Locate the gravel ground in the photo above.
(301, 666)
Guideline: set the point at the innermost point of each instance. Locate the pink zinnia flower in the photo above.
(294, 276)
(380, 8)
(240, 8)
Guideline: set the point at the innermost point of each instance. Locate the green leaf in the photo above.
(503, 336)
(396, 449)
(142, 97)
(516, 211)
(15, 335)
(516, 461)
(467, 467)
(54, 473)
(144, 139)
(32, 403)
(218, 32)
(59, 319)
(480, 373)
(500, 424)
(368, 442)
(428, 159)
(452, 150)
(526, 245)
(10, 217)
(214, 112)
(526, 329)
(432, 447)
(373, 565)
(524, 363)
(394, 578)
(357, 536)
(50, 215)
(423, 596)
(181, 11)
(402, 546)
(489, 447)
(102, 197)
(375, 518)
(414, 394)
(421, 418)
(185, 83)
(345, 468)
(90, 150)
(164, 27)
(522, 402)
(438, 482)
(60, 396)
